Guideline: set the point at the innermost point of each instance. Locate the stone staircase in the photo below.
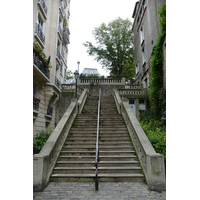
(117, 158)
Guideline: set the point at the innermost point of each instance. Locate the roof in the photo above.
(135, 9)
(90, 71)
(70, 81)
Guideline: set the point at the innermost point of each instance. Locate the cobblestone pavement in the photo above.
(107, 190)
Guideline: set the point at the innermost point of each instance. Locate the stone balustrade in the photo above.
(151, 162)
(44, 162)
(134, 89)
(100, 81)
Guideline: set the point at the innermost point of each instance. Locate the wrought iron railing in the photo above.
(43, 5)
(61, 68)
(97, 143)
(60, 30)
(57, 82)
(62, 10)
(40, 64)
(36, 102)
(49, 110)
(66, 35)
(39, 33)
(58, 54)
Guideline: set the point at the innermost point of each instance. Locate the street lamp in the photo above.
(78, 65)
(76, 74)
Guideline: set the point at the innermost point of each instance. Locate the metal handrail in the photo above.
(97, 142)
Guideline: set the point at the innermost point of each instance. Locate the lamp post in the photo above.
(76, 77)
(78, 65)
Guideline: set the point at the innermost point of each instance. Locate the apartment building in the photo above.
(50, 51)
(145, 30)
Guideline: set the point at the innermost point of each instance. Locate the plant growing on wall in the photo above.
(157, 94)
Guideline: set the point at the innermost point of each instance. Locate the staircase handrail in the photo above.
(97, 142)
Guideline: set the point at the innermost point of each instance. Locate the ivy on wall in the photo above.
(157, 95)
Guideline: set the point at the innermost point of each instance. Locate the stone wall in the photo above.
(62, 104)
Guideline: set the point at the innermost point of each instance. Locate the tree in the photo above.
(69, 74)
(114, 46)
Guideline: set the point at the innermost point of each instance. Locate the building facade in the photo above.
(145, 30)
(50, 50)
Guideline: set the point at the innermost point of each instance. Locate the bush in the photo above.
(155, 130)
(40, 139)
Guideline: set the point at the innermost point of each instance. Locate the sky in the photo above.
(84, 17)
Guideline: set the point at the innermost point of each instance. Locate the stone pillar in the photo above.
(123, 81)
(155, 172)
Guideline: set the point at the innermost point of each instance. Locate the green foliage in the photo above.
(156, 132)
(157, 94)
(40, 139)
(69, 74)
(114, 45)
(42, 54)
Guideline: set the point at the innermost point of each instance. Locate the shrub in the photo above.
(156, 132)
(40, 139)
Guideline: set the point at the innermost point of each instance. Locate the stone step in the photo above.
(91, 139)
(120, 169)
(118, 163)
(101, 144)
(116, 177)
(79, 148)
(102, 153)
(75, 163)
(78, 153)
(72, 170)
(76, 158)
(113, 128)
(118, 158)
(75, 177)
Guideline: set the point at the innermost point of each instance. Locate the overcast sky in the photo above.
(84, 17)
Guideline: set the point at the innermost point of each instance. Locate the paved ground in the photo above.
(107, 190)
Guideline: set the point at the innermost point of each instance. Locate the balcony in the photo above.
(36, 102)
(57, 82)
(40, 34)
(39, 62)
(43, 7)
(66, 35)
(60, 31)
(62, 10)
(58, 55)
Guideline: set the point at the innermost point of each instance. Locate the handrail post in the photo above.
(97, 144)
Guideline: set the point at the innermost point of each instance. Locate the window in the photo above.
(144, 4)
(35, 90)
(137, 68)
(142, 104)
(142, 34)
(65, 73)
(61, 68)
(40, 23)
(131, 101)
(143, 58)
(141, 101)
(145, 83)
